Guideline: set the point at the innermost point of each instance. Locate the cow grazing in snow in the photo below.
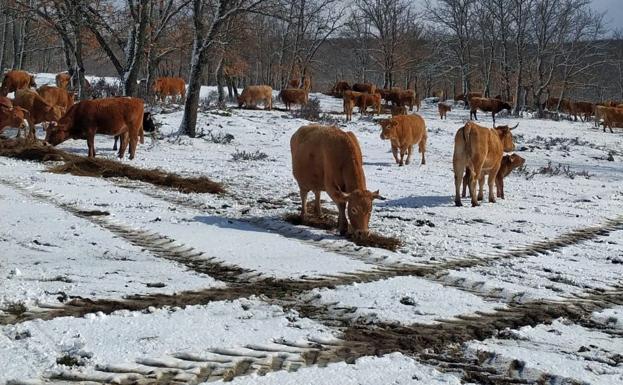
(478, 150)
(328, 159)
(109, 116)
(11, 116)
(339, 88)
(16, 80)
(612, 117)
(251, 95)
(487, 105)
(404, 98)
(405, 131)
(173, 87)
(291, 96)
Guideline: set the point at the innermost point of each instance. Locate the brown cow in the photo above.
(366, 100)
(39, 110)
(251, 95)
(307, 85)
(584, 109)
(612, 116)
(404, 131)
(487, 105)
(63, 79)
(404, 98)
(16, 80)
(339, 88)
(56, 96)
(294, 83)
(508, 164)
(368, 88)
(399, 110)
(170, 86)
(291, 96)
(461, 97)
(443, 110)
(109, 116)
(479, 150)
(11, 116)
(349, 105)
(328, 159)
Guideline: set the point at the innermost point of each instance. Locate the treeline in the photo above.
(523, 50)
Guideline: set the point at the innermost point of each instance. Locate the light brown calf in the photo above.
(251, 95)
(443, 110)
(39, 110)
(404, 131)
(508, 164)
(291, 96)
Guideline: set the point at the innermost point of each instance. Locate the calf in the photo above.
(479, 150)
(109, 116)
(366, 100)
(251, 95)
(508, 164)
(63, 79)
(487, 105)
(349, 105)
(328, 159)
(148, 126)
(404, 98)
(39, 110)
(291, 96)
(404, 131)
(443, 110)
(16, 80)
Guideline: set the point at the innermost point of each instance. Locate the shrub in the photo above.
(243, 155)
(310, 111)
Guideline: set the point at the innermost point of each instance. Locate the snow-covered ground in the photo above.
(51, 255)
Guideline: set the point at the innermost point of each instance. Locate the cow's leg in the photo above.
(303, 203)
(491, 182)
(422, 149)
(402, 156)
(474, 177)
(481, 186)
(133, 144)
(124, 144)
(317, 203)
(499, 186)
(466, 179)
(114, 146)
(459, 170)
(409, 150)
(91, 145)
(493, 116)
(395, 152)
(342, 222)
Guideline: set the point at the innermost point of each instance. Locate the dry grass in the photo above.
(104, 168)
(329, 222)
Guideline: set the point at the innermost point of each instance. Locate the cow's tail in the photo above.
(422, 146)
(467, 132)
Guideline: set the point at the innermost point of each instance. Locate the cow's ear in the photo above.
(377, 195)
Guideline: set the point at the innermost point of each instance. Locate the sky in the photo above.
(613, 10)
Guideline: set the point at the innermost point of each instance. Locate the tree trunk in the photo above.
(219, 81)
(198, 62)
(135, 58)
(5, 33)
(15, 31)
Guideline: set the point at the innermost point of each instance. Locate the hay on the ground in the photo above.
(104, 168)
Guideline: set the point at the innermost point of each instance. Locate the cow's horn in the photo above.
(512, 128)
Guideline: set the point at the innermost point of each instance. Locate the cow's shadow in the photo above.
(418, 201)
(379, 163)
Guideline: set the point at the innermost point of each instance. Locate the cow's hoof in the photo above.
(400, 164)
(458, 203)
(480, 198)
(475, 204)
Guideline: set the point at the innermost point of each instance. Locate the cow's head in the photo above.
(240, 101)
(13, 117)
(358, 209)
(516, 161)
(506, 106)
(148, 122)
(56, 134)
(388, 128)
(506, 137)
(53, 113)
(32, 82)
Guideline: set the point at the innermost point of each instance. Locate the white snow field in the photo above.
(119, 281)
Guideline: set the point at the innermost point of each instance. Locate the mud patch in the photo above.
(104, 168)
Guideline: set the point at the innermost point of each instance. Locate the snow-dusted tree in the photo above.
(209, 17)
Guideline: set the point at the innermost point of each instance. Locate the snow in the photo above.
(49, 253)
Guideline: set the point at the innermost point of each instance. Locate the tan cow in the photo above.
(11, 116)
(366, 100)
(16, 80)
(612, 117)
(404, 131)
(487, 105)
(291, 96)
(251, 95)
(350, 98)
(307, 85)
(508, 164)
(109, 116)
(479, 150)
(443, 110)
(63, 79)
(328, 159)
(39, 110)
(56, 96)
(174, 87)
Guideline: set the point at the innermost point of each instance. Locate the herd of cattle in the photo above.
(324, 158)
